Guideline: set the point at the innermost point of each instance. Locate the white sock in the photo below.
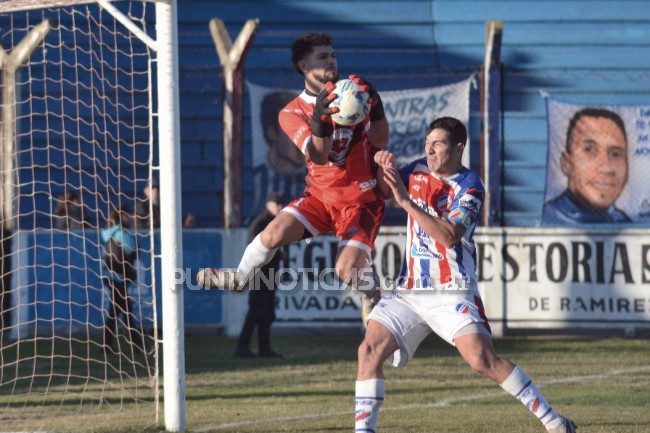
(523, 389)
(369, 396)
(255, 256)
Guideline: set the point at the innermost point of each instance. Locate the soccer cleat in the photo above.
(244, 352)
(567, 426)
(212, 278)
(269, 353)
(367, 304)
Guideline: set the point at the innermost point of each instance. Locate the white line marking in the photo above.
(440, 403)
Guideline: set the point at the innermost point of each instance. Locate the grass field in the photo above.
(602, 383)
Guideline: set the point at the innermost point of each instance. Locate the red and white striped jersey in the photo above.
(349, 176)
(427, 262)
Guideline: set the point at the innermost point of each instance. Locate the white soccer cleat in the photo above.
(213, 278)
(567, 426)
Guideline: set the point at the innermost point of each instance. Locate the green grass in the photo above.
(602, 383)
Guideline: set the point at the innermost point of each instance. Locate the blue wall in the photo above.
(584, 51)
(60, 287)
(580, 50)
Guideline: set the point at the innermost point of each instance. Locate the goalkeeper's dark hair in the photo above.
(454, 127)
(593, 112)
(304, 45)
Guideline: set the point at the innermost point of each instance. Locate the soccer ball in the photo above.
(352, 103)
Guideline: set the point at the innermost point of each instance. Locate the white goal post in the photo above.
(88, 119)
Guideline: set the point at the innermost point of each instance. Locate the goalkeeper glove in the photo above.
(376, 106)
(321, 123)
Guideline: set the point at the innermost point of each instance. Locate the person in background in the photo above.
(69, 211)
(152, 201)
(437, 290)
(149, 207)
(120, 254)
(595, 164)
(261, 297)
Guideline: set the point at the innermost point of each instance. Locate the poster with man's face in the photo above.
(597, 165)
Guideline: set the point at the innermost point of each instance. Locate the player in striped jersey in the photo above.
(437, 291)
(341, 194)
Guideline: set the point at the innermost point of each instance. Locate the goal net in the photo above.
(78, 308)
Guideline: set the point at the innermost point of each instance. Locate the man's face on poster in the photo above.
(596, 163)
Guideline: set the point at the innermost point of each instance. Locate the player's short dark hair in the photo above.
(303, 45)
(454, 127)
(271, 105)
(593, 112)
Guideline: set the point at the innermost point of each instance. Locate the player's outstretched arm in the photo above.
(321, 126)
(379, 131)
(384, 160)
(447, 232)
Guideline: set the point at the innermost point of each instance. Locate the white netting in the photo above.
(77, 146)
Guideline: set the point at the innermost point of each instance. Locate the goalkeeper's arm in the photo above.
(378, 132)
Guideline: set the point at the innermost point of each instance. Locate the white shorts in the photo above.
(411, 316)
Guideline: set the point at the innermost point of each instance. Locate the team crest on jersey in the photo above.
(462, 308)
(368, 184)
(340, 145)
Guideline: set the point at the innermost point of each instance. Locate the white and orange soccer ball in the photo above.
(352, 103)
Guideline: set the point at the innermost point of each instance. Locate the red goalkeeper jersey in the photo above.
(349, 175)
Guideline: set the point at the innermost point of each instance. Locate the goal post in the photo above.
(90, 117)
(170, 217)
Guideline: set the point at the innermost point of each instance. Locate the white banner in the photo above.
(317, 297)
(565, 278)
(409, 113)
(528, 278)
(279, 166)
(633, 194)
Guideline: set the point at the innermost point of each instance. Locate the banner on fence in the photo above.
(279, 166)
(529, 278)
(597, 164)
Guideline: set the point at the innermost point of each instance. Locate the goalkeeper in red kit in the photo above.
(341, 195)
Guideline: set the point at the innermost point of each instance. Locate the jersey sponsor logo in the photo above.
(420, 233)
(424, 206)
(470, 202)
(367, 184)
(463, 217)
(423, 251)
(297, 136)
